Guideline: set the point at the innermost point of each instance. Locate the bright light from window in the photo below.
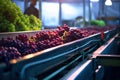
(108, 2)
(94, 0)
(50, 14)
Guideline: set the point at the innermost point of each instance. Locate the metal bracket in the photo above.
(108, 60)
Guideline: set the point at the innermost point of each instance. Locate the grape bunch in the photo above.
(68, 34)
(21, 43)
(41, 45)
(8, 53)
(6, 26)
(22, 38)
(72, 35)
(12, 19)
(85, 33)
(43, 35)
(25, 45)
(62, 29)
(29, 48)
(47, 39)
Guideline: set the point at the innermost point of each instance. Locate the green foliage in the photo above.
(12, 19)
(98, 22)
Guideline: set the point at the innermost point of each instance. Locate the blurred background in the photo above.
(58, 12)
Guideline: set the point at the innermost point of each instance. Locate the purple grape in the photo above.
(8, 53)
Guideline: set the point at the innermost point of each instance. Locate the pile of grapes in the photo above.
(12, 19)
(22, 45)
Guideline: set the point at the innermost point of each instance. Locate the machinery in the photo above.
(77, 60)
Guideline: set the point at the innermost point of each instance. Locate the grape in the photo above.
(31, 47)
(42, 36)
(62, 29)
(55, 42)
(61, 32)
(35, 23)
(22, 38)
(12, 19)
(8, 53)
(6, 26)
(66, 27)
(47, 39)
(23, 45)
(72, 35)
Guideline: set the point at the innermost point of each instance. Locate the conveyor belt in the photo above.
(69, 64)
(93, 68)
(110, 60)
(55, 64)
(56, 61)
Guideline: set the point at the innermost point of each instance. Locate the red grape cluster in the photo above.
(22, 38)
(62, 29)
(72, 35)
(86, 33)
(49, 43)
(47, 39)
